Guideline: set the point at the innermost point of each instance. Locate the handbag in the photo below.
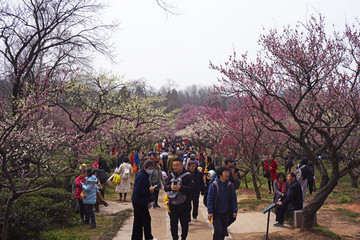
(116, 178)
(82, 195)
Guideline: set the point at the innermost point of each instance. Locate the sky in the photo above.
(153, 45)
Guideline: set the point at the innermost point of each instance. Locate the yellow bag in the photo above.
(116, 178)
(166, 202)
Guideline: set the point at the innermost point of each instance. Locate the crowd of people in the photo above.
(185, 174)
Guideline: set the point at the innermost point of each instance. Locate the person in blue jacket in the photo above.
(221, 202)
(140, 199)
(90, 189)
(137, 159)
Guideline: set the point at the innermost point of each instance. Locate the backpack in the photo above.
(126, 174)
(177, 197)
(216, 190)
(101, 175)
(298, 173)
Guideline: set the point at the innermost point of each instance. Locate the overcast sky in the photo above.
(156, 46)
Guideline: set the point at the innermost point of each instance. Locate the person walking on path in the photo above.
(290, 202)
(198, 187)
(303, 173)
(124, 187)
(99, 174)
(221, 203)
(311, 179)
(234, 177)
(137, 159)
(170, 161)
(289, 162)
(103, 166)
(179, 186)
(78, 183)
(141, 198)
(157, 181)
(90, 189)
(270, 167)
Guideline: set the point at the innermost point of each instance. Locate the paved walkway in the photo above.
(160, 223)
(113, 207)
(252, 222)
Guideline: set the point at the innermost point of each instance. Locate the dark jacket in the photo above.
(198, 181)
(310, 176)
(141, 193)
(103, 165)
(233, 181)
(293, 197)
(187, 185)
(223, 204)
(306, 171)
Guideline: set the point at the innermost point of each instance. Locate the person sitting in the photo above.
(291, 201)
(280, 186)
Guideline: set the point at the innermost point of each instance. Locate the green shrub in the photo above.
(35, 211)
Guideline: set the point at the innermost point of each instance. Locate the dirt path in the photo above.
(338, 224)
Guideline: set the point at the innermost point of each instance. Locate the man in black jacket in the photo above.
(198, 187)
(103, 166)
(179, 186)
(140, 199)
(234, 177)
(291, 201)
(305, 174)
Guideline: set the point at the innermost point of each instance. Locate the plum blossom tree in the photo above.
(28, 143)
(46, 36)
(143, 122)
(306, 84)
(192, 124)
(244, 134)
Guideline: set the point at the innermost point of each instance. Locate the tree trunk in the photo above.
(310, 210)
(246, 183)
(323, 172)
(4, 233)
(253, 175)
(256, 187)
(354, 174)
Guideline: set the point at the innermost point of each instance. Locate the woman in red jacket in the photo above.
(270, 167)
(78, 180)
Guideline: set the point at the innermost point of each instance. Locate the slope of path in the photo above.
(255, 222)
(160, 224)
(113, 207)
(252, 222)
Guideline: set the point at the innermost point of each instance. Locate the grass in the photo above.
(106, 228)
(351, 215)
(252, 204)
(323, 231)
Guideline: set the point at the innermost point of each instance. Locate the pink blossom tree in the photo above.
(306, 84)
(244, 135)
